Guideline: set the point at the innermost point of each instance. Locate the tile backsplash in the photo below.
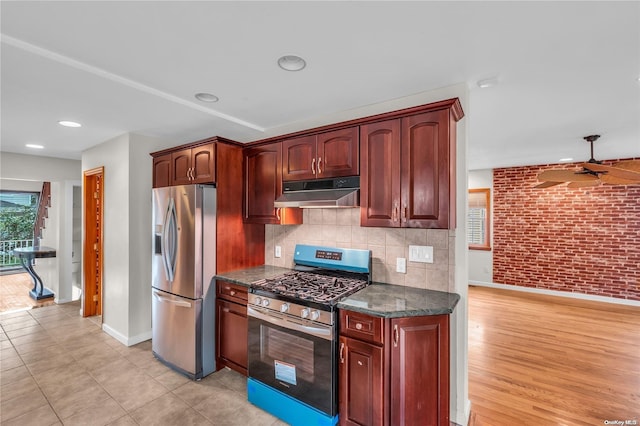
(341, 228)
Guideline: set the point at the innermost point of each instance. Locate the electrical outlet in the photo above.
(401, 265)
(422, 254)
(278, 251)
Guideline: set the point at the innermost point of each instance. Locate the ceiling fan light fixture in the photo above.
(206, 97)
(67, 123)
(291, 63)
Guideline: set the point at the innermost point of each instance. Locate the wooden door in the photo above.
(361, 383)
(203, 164)
(232, 324)
(262, 183)
(93, 184)
(162, 171)
(299, 158)
(181, 167)
(420, 371)
(338, 153)
(380, 174)
(425, 170)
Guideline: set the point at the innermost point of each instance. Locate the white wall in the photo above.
(481, 261)
(20, 172)
(126, 294)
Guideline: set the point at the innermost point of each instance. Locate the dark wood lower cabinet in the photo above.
(400, 379)
(231, 327)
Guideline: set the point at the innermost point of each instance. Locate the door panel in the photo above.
(93, 246)
(232, 334)
(181, 163)
(203, 163)
(262, 183)
(338, 153)
(380, 174)
(299, 158)
(175, 321)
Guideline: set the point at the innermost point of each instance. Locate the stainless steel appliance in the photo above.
(293, 332)
(183, 296)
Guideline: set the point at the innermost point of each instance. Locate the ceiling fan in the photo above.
(593, 173)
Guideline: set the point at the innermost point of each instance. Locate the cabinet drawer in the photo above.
(232, 292)
(361, 326)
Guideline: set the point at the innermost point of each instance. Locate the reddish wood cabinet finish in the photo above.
(263, 184)
(407, 171)
(231, 326)
(162, 171)
(402, 379)
(325, 155)
(185, 166)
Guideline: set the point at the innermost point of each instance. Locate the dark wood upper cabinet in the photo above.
(263, 184)
(408, 171)
(185, 166)
(325, 155)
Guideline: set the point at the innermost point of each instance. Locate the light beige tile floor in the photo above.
(59, 368)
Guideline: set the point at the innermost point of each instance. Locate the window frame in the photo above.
(486, 244)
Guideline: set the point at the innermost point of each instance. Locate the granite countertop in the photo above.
(247, 276)
(394, 301)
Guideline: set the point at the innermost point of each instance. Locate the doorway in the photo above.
(93, 184)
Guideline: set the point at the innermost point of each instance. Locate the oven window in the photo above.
(286, 349)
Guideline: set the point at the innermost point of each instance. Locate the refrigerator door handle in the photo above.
(180, 303)
(169, 241)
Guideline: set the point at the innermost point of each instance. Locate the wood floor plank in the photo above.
(547, 360)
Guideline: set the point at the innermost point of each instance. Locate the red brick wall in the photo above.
(576, 240)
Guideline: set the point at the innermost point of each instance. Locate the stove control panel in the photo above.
(291, 309)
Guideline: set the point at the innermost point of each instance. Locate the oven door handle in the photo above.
(290, 324)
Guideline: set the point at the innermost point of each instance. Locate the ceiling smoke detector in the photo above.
(291, 63)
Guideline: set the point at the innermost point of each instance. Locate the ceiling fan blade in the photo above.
(613, 171)
(584, 184)
(632, 165)
(547, 184)
(565, 175)
(614, 180)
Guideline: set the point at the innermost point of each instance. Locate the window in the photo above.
(479, 219)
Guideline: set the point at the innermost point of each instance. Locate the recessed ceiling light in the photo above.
(565, 160)
(488, 82)
(34, 146)
(66, 123)
(291, 63)
(206, 97)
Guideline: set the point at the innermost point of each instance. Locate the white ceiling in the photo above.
(565, 70)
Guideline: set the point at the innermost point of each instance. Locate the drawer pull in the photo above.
(396, 336)
(233, 293)
(341, 353)
(360, 363)
(358, 326)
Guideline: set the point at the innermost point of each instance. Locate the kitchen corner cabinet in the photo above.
(263, 184)
(231, 326)
(394, 371)
(325, 155)
(185, 166)
(407, 168)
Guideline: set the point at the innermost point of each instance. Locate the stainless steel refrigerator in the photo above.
(183, 293)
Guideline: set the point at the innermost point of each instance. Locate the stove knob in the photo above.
(265, 302)
(258, 301)
(315, 315)
(304, 313)
(284, 307)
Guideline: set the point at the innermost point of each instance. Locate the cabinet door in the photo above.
(203, 164)
(299, 158)
(181, 165)
(380, 174)
(232, 325)
(338, 153)
(420, 370)
(425, 170)
(162, 171)
(361, 383)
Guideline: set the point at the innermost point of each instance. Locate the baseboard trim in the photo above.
(571, 295)
(127, 341)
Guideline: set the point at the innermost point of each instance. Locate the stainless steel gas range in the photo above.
(293, 333)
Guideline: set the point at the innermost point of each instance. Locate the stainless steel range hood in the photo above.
(321, 193)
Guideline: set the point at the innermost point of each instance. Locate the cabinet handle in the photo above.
(394, 215)
(319, 165)
(233, 293)
(396, 336)
(313, 166)
(225, 309)
(358, 326)
(341, 353)
(278, 213)
(404, 213)
(190, 173)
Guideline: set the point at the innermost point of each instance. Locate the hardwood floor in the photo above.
(546, 360)
(14, 293)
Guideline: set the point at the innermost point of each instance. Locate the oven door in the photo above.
(296, 357)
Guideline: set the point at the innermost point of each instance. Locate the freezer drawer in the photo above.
(177, 325)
